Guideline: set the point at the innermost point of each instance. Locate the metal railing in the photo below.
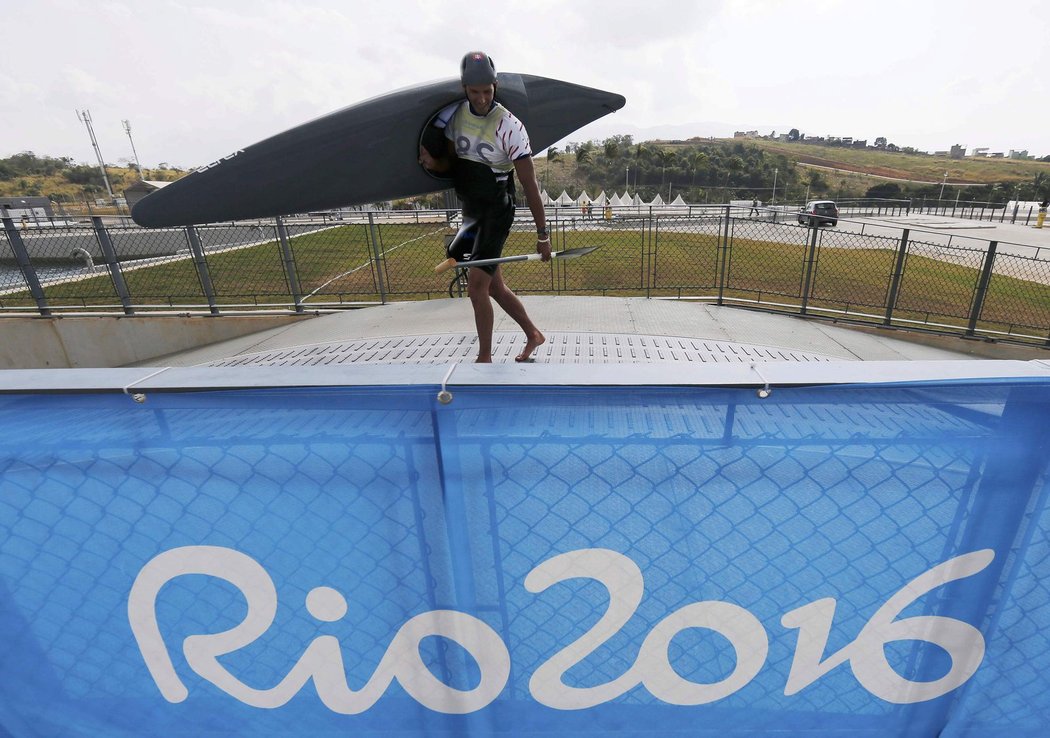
(861, 271)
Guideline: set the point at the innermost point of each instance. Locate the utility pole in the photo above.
(85, 116)
(127, 130)
(941, 196)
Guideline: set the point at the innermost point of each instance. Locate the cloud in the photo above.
(199, 78)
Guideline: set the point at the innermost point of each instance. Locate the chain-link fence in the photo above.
(870, 273)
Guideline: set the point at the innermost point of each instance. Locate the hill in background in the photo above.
(698, 169)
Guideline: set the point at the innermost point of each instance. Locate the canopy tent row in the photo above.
(614, 200)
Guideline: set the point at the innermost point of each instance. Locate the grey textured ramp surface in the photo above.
(560, 348)
(557, 317)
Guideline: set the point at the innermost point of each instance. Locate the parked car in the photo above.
(819, 212)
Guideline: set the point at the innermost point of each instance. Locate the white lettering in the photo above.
(217, 162)
(866, 654)
(623, 580)
(322, 660)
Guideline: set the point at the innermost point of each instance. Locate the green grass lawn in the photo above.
(915, 166)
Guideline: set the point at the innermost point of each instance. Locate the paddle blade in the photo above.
(574, 253)
(445, 266)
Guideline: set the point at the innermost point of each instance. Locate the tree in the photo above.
(1041, 186)
(880, 142)
(889, 190)
(615, 145)
(83, 175)
(817, 184)
(553, 154)
(583, 152)
(793, 134)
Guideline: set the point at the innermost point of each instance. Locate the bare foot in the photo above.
(536, 340)
(483, 360)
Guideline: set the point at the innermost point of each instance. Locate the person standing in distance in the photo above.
(482, 147)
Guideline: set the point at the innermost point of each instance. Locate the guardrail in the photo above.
(870, 273)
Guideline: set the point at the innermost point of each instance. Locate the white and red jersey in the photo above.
(497, 139)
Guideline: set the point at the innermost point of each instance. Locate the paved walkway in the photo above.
(580, 330)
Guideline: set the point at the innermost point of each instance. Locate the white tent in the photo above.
(657, 200)
(625, 198)
(545, 198)
(601, 199)
(564, 199)
(637, 200)
(615, 200)
(679, 201)
(584, 199)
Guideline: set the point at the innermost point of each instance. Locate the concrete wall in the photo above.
(94, 342)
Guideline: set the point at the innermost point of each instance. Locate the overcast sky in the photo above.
(198, 79)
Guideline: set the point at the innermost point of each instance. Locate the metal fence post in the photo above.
(201, 265)
(811, 259)
(724, 258)
(376, 256)
(654, 245)
(110, 255)
(982, 288)
(24, 263)
(289, 266)
(895, 279)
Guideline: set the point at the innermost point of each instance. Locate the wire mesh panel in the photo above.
(409, 253)
(71, 267)
(684, 255)
(939, 282)
(1018, 299)
(619, 267)
(542, 560)
(158, 267)
(334, 263)
(852, 272)
(343, 500)
(765, 262)
(14, 292)
(245, 264)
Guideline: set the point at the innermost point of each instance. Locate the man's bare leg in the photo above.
(478, 285)
(510, 303)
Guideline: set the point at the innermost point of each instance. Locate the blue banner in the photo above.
(545, 561)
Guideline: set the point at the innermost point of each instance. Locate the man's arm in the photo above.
(437, 164)
(527, 176)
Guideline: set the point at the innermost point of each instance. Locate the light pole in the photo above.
(85, 118)
(941, 196)
(127, 130)
(627, 180)
(774, 186)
